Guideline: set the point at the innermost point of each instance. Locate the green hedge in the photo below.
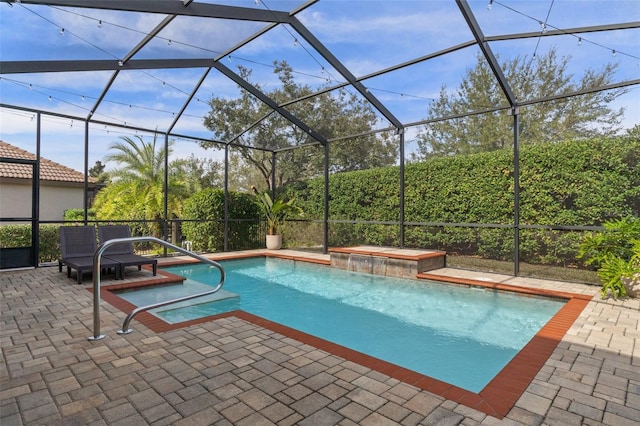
(583, 182)
(20, 236)
(203, 213)
(78, 215)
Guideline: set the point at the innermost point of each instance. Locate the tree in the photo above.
(98, 172)
(242, 173)
(331, 115)
(634, 132)
(200, 173)
(570, 118)
(136, 190)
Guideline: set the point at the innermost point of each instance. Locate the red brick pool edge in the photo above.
(496, 399)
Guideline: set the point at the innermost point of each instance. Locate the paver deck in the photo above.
(233, 371)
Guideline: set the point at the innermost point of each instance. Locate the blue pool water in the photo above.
(463, 336)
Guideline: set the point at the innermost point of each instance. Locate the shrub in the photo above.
(615, 252)
(77, 215)
(20, 236)
(204, 221)
(572, 183)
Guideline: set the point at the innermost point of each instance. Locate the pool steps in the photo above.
(96, 282)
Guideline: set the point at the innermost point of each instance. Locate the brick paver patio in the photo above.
(232, 371)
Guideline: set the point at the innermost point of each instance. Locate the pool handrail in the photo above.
(96, 282)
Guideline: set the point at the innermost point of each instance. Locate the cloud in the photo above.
(365, 35)
(394, 20)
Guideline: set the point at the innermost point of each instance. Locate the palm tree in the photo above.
(136, 190)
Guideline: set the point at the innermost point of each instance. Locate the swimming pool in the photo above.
(458, 335)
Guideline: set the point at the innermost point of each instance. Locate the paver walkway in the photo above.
(233, 372)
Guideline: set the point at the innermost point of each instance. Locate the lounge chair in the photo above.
(123, 253)
(77, 246)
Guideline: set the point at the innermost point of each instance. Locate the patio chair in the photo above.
(77, 246)
(123, 253)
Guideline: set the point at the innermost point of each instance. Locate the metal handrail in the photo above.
(96, 282)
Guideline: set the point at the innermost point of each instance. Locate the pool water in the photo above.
(459, 335)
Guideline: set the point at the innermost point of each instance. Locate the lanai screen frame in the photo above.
(273, 18)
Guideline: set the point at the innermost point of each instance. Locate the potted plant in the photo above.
(616, 253)
(276, 211)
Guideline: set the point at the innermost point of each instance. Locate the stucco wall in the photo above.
(15, 200)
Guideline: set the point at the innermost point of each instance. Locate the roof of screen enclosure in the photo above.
(165, 58)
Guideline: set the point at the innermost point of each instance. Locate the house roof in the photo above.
(49, 170)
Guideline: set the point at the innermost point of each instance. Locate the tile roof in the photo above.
(49, 170)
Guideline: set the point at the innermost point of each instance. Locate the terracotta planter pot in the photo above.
(274, 242)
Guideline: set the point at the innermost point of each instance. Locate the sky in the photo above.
(365, 35)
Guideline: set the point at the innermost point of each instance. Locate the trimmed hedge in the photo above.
(584, 182)
(78, 215)
(20, 236)
(203, 213)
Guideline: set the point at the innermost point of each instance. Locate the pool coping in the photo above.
(495, 399)
(392, 253)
